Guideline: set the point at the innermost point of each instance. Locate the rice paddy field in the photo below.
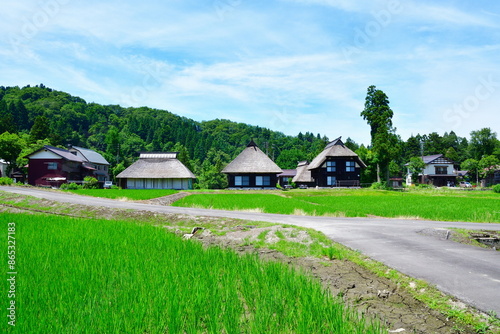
(130, 194)
(469, 206)
(99, 276)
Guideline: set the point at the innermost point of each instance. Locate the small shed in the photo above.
(157, 171)
(252, 168)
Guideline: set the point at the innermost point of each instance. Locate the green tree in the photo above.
(416, 167)
(288, 159)
(11, 146)
(368, 174)
(378, 115)
(452, 154)
(472, 166)
(7, 123)
(209, 174)
(488, 165)
(482, 142)
(40, 129)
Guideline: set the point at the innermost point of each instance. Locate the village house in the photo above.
(492, 178)
(156, 171)
(101, 166)
(335, 166)
(439, 171)
(285, 178)
(53, 166)
(252, 168)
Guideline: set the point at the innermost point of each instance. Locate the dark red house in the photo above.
(52, 166)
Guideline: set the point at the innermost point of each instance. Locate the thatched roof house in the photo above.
(252, 168)
(336, 166)
(303, 176)
(157, 171)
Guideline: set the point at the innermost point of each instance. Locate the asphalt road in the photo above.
(469, 273)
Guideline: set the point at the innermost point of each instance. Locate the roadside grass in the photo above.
(106, 276)
(129, 194)
(443, 205)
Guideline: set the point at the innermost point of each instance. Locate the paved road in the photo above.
(469, 273)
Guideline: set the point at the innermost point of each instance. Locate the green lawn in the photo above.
(131, 194)
(98, 276)
(470, 206)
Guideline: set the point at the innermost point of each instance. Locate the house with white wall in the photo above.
(439, 171)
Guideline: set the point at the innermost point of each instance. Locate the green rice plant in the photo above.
(98, 276)
(432, 204)
(334, 253)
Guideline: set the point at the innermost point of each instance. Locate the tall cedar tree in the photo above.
(378, 114)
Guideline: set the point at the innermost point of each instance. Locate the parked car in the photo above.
(465, 184)
(107, 184)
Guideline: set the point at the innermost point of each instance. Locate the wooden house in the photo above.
(439, 171)
(252, 168)
(52, 166)
(101, 166)
(335, 166)
(157, 171)
(285, 178)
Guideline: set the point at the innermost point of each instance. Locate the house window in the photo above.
(262, 180)
(241, 180)
(331, 180)
(350, 166)
(441, 170)
(52, 165)
(331, 166)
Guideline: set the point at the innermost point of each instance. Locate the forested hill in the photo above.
(40, 115)
(31, 117)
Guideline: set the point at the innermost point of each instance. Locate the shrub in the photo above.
(380, 186)
(496, 188)
(90, 183)
(70, 186)
(425, 186)
(5, 181)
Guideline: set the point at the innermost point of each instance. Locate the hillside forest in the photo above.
(31, 117)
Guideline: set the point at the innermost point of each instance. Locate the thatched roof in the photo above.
(303, 173)
(157, 166)
(252, 161)
(335, 148)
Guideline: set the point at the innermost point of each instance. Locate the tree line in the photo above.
(31, 117)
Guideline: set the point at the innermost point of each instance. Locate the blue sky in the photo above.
(289, 65)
